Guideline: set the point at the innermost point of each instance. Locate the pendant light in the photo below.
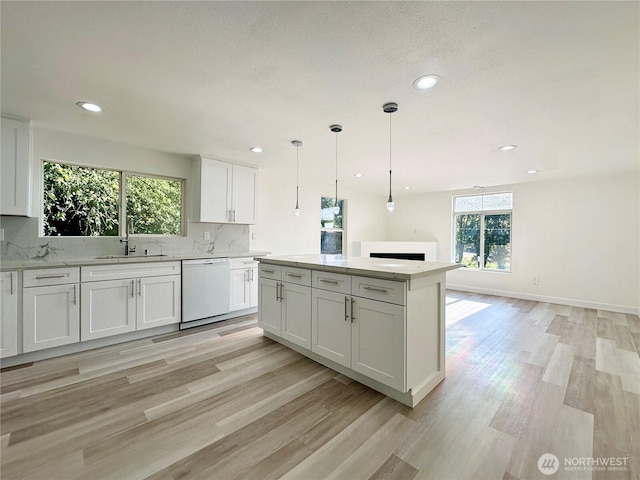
(297, 144)
(336, 129)
(390, 108)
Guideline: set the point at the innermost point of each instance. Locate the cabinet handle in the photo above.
(234, 216)
(229, 215)
(324, 280)
(282, 292)
(268, 271)
(139, 287)
(353, 303)
(294, 275)
(11, 282)
(133, 286)
(75, 300)
(374, 289)
(346, 315)
(42, 277)
(277, 292)
(251, 275)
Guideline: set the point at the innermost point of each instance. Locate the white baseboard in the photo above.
(542, 298)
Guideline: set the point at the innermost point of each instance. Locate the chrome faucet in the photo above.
(129, 230)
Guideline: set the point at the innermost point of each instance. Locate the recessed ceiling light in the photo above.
(91, 107)
(425, 82)
(506, 148)
(532, 171)
(406, 187)
(256, 149)
(358, 175)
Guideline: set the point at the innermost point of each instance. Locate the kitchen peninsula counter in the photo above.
(378, 321)
(388, 268)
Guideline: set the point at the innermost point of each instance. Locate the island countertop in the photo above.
(386, 268)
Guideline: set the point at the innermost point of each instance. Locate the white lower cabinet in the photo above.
(158, 302)
(331, 326)
(8, 314)
(377, 341)
(50, 310)
(108, 308)
(365, 333)
(285, 307)
(243, 281)
(296, 313)
(269, 306)
(144, 298)
(359, 333)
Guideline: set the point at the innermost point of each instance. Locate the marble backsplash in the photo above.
(22, 242)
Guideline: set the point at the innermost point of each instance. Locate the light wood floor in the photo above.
(222, 402)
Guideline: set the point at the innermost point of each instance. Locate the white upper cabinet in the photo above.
(224, 192)
(245, 194)
(15, 196)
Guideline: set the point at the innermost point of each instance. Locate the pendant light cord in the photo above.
(336, 169)
(390, 155)
(297, 172)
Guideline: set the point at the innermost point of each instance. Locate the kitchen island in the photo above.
(378, 321)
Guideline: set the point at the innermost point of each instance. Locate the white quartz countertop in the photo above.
(388, 268)
(115, 259)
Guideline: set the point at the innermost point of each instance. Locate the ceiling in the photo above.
(559, 79)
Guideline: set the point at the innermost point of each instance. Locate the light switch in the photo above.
(207, 235)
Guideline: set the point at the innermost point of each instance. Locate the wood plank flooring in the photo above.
(223, 402)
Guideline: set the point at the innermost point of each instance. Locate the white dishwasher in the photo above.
(205, 288)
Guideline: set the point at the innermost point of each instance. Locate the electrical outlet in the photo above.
(253, 235)
(536, 281)
(207, 235)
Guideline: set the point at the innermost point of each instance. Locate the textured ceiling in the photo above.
(560, 79)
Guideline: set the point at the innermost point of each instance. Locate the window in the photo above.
(482, 231)
(331, 226)
(86, 202)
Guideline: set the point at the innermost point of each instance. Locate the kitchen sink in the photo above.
(104, 257)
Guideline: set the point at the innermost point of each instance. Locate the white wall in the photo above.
(281, 232)
(579, 236)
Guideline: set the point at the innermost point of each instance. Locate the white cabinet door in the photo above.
(15, 168)
(9, 312)
(245, 195)
(331, 326)
(296, 314)
(214, 200)
(377, 341)
(239, 289)
(108, 308)
(158, 301)
(253, 287)
(269, 308)
(51, 316)
(225, 193)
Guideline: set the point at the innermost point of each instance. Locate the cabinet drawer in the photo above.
(267, 270)
(389, 291)
(248, 262)
(299, 276)
(334, 282)
(51, 276)
(133, 270)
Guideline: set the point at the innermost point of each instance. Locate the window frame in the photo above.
(122, 204)
(482, 214)
(343, 229)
